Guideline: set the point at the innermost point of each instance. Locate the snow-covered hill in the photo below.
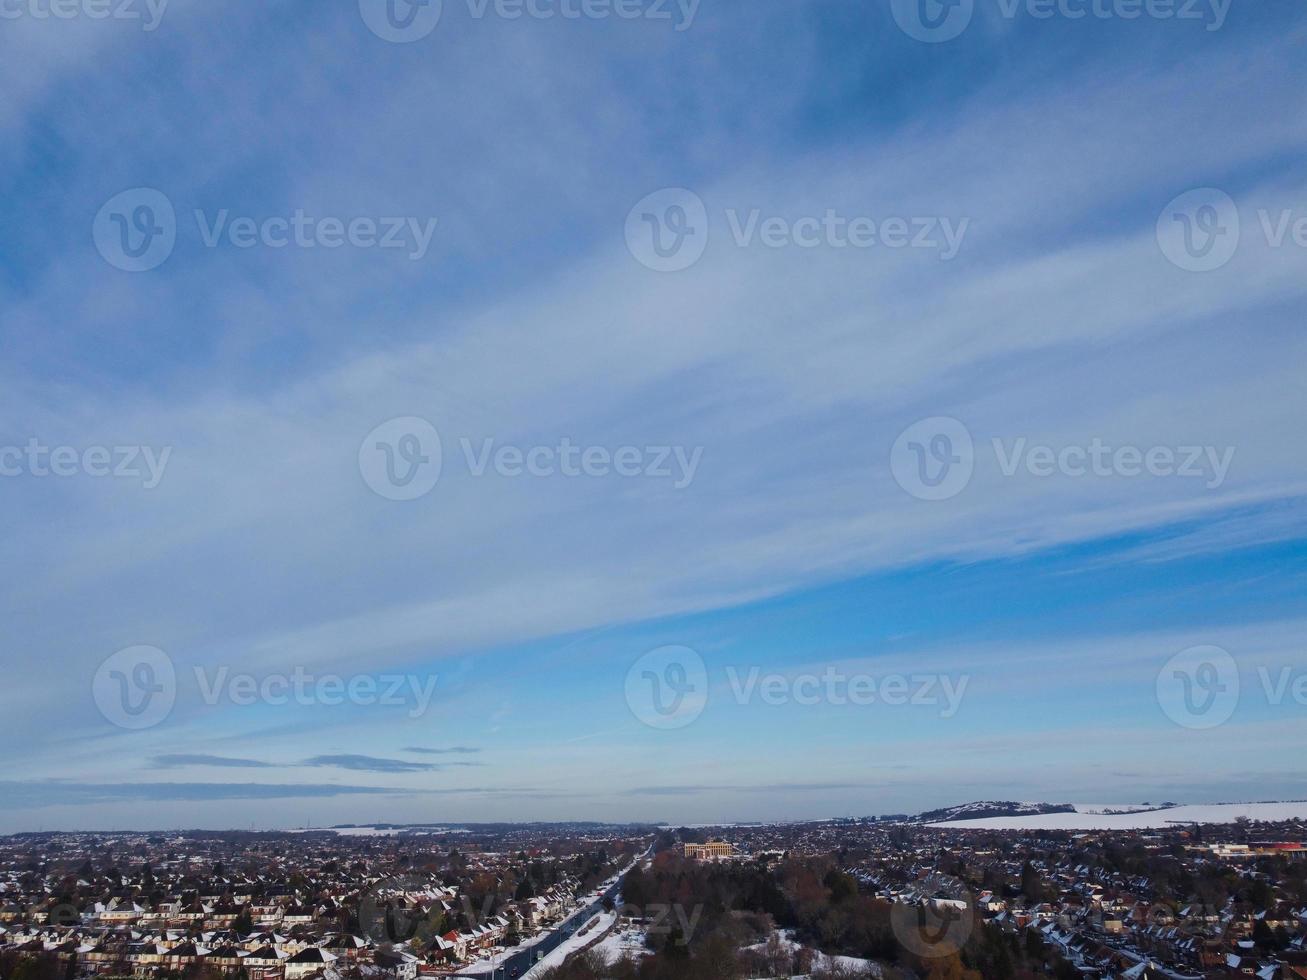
(1140, 817)
(992, 808)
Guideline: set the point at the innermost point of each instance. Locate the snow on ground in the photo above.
(1138, 820)
(1114, 807)
(629, 942)
(379, 831)
(574, 944)
(502, 954)
(820, 960)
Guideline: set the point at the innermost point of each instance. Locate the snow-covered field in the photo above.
(379, 831)
(1091, 817)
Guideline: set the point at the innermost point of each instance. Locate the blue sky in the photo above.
(514, 607)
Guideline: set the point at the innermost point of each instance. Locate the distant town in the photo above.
(890, 897)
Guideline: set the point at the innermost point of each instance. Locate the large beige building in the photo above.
(710, 851)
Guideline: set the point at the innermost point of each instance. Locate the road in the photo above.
(517, 964)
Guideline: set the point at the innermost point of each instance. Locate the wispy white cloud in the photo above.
(1059, 322)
